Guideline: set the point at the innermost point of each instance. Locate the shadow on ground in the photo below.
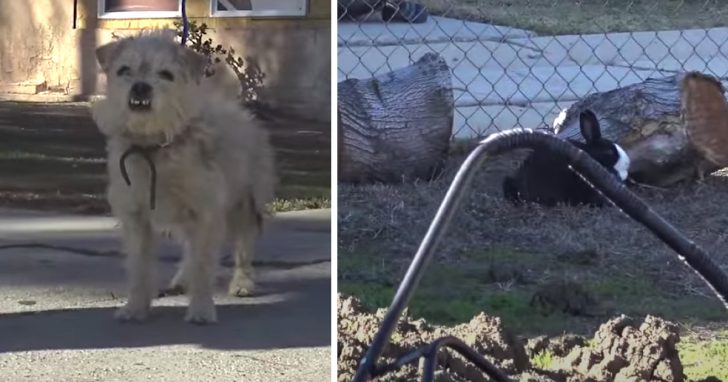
(300, 319)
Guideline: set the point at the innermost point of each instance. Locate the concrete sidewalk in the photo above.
(61, 278)
(505, 77)
(436, 29)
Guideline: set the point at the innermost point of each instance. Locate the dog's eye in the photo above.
(166, 74)
(124, 70)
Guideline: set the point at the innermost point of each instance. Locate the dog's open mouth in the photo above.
(140, 104)
(140, 97)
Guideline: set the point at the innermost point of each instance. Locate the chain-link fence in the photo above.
(519, 63)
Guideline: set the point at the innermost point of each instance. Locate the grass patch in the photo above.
(624, 287)
(587, 16)
(702, 359)
(640, 295)
(25, 155)
(543, 360)
(371, 295)
(448, 294)
(453, 293)
(284, 205)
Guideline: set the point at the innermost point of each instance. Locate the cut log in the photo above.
(667, 126)
(396, 127)
(706, 117)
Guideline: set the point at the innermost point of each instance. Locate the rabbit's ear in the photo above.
(589, 126)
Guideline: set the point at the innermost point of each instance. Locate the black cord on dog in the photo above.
(146, 153)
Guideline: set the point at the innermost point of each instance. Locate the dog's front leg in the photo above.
(242, 282)
(203, 244)
(139, 242)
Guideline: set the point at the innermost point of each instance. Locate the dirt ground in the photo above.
(396, 217)
(621, 349)
(53, 157)
(541, 271)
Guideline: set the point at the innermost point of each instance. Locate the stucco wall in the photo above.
(296, 61)
(39, 45)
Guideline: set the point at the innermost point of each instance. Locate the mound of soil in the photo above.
(622, 349)
(356, 328)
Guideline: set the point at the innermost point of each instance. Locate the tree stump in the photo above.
(397, 126)
(673, 128)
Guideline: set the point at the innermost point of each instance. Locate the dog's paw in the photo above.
(241, 285)
(201, 313)
(132, 313)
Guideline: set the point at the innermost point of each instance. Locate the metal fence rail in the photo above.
(519, 63)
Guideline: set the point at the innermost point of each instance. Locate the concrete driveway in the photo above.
(61, 278)
(507, 77)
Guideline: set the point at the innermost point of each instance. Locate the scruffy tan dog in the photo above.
(185, 159)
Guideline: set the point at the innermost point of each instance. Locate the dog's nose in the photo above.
(140, 96)
(141, 90)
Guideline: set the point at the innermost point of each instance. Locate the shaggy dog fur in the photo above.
(214, 167)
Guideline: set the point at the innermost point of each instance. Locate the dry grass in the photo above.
(380, 228)
(587, 16)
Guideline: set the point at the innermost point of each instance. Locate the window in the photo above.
(232, 8)
(127, 9)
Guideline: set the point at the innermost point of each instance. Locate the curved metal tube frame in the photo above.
(429, 353)
(585, 166)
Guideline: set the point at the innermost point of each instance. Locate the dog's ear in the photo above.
(196, 63)
(105, 54)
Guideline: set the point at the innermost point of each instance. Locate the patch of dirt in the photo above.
(622, 349)
(504, 272)
(567, 297)
(356, 328)
(626, 350)
(585, 257)
(559, 346)
(388, 222)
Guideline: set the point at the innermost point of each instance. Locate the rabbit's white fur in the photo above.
(547, 179)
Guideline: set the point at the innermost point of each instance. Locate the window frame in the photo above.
(261, 13)
(102, 14)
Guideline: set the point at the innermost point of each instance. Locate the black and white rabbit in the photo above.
(546, 179)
